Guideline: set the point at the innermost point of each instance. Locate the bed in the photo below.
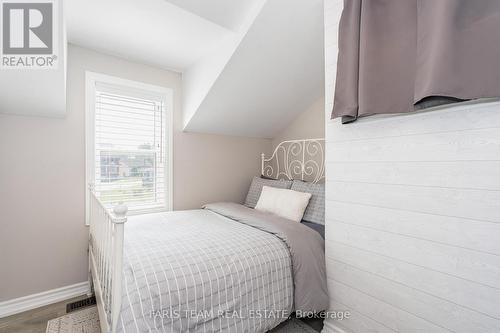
(224, 268)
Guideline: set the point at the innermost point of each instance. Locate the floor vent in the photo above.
(70, 307)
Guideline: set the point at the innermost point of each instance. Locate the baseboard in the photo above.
(21, 304)
(331, 327)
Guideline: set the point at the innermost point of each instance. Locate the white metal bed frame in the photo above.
(296, 159)
(292, 159)
(106, 259)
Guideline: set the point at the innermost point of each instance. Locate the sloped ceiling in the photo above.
(274, 74)
(249, 66)
(154, 32)
(227, 13)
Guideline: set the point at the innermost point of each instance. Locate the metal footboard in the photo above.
(106, 259)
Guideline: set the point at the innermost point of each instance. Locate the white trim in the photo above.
(91, 79)
(169, 105)
(21, 304)
(330, 327)
(89, 137)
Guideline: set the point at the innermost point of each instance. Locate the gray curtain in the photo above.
(400, 55)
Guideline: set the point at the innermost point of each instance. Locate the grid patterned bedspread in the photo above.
(197, 271)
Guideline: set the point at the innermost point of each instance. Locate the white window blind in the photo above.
(130, 148)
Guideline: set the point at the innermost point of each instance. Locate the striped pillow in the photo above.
(315, 211)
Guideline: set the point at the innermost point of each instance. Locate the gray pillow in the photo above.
(256, 188)
(315, 211)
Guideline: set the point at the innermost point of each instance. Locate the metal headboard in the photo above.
(296, 159)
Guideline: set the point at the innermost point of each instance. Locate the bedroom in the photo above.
(158, 108)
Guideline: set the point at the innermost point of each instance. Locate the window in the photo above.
(128, 143)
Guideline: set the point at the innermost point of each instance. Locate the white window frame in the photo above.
(91, 79)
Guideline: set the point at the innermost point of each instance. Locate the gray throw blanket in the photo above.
(307, 249)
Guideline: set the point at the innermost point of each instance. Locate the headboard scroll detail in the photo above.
(296, 159)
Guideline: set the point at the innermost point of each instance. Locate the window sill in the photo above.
(136, 212)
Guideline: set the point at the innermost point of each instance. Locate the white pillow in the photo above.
(282, 202)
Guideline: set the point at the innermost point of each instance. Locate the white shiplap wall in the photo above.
(413, 216)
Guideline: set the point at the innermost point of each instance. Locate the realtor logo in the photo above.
(28, 34)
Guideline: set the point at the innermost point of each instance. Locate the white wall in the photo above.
(199, 78)
(43, 240)
(40, 92)
(413, 216)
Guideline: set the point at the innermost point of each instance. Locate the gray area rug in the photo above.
(81, 321)
(87, 321)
